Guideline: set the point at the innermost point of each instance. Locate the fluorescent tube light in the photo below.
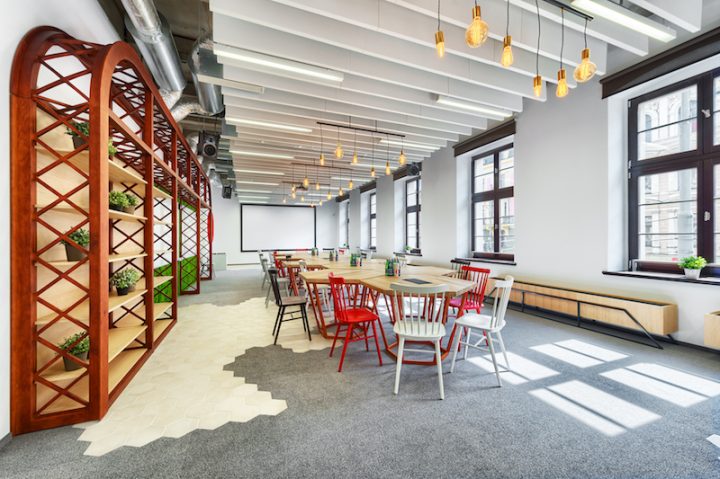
(254, 191)
(259, 172)
(409, 144)
(268, 124)
(239, 182)
(262, 155)
(627, 18)
(254, 197)
(469, 106)
(275, 63)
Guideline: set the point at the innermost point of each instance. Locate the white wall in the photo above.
(327, 224)
(384, 207)
(91, 24)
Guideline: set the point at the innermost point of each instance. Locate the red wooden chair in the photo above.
(356, 321)
(475, 297)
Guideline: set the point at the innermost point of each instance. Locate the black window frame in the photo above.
(372, 216)
(496, 194)
(703, 159)
(346, 205)
(416, 209)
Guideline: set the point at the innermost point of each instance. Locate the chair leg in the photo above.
(348, 336)
(377, 343)
(305, 321)
(337, 333)
(468, 332)
(494, 360)
(401, 346)
(280, 321)
(267, 297)
(502, 346)
(366, 326)
(455, 347)
(438, 360)
(277, 319)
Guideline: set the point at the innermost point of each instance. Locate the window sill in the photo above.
(489, 260)
(678, 278)
(419, 255)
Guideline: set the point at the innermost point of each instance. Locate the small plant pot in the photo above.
(78, 141)
(129, 210)
(122, 291)
(131, 288)
(71, 365)
(73, 254)
(117, 208)
(692, 273)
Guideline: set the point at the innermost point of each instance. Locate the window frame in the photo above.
(372, 216)
(702, 159)
(496, 194)
(416, 209)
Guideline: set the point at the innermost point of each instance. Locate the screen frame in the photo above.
(242, 205)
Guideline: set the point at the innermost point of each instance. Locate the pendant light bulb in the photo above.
(562, 86)
(302, 198)
(372, 172)
(284, 200)
(322, 159)
(320, 203)
(440, 43)
(477, 32)
(293, 194)
(293, 189)
(586, 69)
(387, 168)
(339, 151)
(306, 182)
(507, 54)
(355, 159)
(329, 196)
(340, 191)
(402, 159)
(537, 85)
(350, 185)
(317, 186)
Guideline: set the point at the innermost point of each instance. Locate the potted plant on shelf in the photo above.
(78, 346)
(118, 200)
(84, 128)
(111, 148)
(82, 238)
(692, 265)
(132, 204)
(124, 279)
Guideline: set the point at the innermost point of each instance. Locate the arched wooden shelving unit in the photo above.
(59, 188)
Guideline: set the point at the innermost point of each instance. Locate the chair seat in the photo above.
(420, 330)
(479, 321)
(469, 304)
(292, 300)
(359, 315)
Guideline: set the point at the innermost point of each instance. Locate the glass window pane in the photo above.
(507, 168)
(507, 225)
(667, 215)
(411, 187)
(668, 124)
(484, 217)
(484, 174)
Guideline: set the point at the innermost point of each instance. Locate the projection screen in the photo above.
(276, 227)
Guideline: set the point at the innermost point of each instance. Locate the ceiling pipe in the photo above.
(209, 95)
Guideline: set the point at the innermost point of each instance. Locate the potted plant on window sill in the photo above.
(692, 265)
(78, 345)
(124, 280)
(82, 238)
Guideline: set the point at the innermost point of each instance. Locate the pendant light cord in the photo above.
(585, 33)
(562, 36)
(507, 18)
(537, 53)
(438, 15)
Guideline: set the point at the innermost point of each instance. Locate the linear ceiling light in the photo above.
(262, 155)
(259, 172)
(270, 125)
(254, 197)
(410, 145)
(253, 191)
(623, 16)
(466, 105)
(243, 182)
(276, 63)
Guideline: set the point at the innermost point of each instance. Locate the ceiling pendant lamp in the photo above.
(586, 69)
(372, 167)
(340, 191)
(329, 196)
(322, 155)
(562, 86)
(306, 181)
(387, 168)
(355, 157)
(339, 149)
(372, 172)
(320, 203)
(350, 184)
(507, 54)
(477, 32)
(387, 156)
(537, 81)
(317, 185)
(284, 200)
(302, 198)
(293, 194)
(292, 190)
(402, 159)
(439, 37)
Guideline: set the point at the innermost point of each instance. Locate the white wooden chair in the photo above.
(284, 282)
(488, 327)
(419, 313)
(264, 265)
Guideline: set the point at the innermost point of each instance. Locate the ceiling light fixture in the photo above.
(402, 159)
(586, 69)
(339, 149)
(439, 37)
(254, 197)
(477, 32)
(372, 158)
(322, 155)
(276, 63)
(411, 145)
(621, 15)
(239, 182)
(562, 86)
(466, 105)
(268, 124)
(387, 160)
(259, 172)
(507, 54)
(537, 81)
(253, 191)
(260, 154)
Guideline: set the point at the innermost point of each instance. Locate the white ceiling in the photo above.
(384, 53)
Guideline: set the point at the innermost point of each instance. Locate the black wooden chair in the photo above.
(285, 302)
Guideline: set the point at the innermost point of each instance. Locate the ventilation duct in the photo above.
(203, 60)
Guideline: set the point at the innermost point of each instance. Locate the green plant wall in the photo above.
(165, 290)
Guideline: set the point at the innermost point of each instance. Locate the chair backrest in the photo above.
(458, 263)
(273, 272)
(480, 277)
(261, 254)
(279, 267)
(264, 264)
(503, 288)
(340, 295)
(419, 304)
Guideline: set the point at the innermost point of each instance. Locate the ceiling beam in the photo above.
(686, 14)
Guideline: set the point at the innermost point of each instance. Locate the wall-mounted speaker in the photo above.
(227, 192)
(413, 169)
(208, 145)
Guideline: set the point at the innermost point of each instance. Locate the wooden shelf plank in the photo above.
(121, 366)
(119, 215)
(125, 256)
(159, 327)
(160, 308)
(115, 301)
(57, 372)
(160, 280)
(120, 338)
(158, 193)
(116, 173)
(163, 223)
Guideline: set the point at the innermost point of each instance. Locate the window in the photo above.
(373, 221)
(344, 225)
(674, 170)
(493, 196)
(413, 188)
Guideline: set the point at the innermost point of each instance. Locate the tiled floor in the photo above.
(183, 386)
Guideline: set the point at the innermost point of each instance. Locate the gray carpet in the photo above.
(350, 425)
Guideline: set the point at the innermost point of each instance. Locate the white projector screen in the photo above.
(276, 227)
